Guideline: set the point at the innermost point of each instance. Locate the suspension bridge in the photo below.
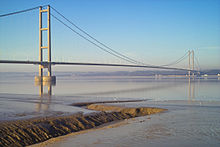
(46, 64)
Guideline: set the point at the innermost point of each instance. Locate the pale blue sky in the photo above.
(152, 31)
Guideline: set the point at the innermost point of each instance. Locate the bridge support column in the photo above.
(193, 63)
(41, 77)
(189, 54)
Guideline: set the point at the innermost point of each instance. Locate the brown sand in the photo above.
(109, 125)
(134, 112)
(32, 131)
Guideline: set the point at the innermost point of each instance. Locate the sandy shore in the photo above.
(36, 130)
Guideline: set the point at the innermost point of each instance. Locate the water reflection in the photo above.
(44, 98)
(152, 89)
(191, 90)
(117, 92)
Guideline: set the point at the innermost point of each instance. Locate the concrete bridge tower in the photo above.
(189, 55)
(46, 64)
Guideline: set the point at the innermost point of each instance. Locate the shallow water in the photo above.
(185, 126)
(192, 119)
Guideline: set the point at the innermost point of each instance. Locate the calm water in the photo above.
(192, 119)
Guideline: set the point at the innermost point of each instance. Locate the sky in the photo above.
(155, 32)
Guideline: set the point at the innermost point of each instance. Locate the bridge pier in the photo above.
(41, 78)
(44, 84)
(51, 79)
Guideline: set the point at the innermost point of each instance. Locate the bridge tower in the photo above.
(46, 64)
(193, 63)
(189, 56)
(191, 67)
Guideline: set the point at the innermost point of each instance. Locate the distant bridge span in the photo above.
(45, 64)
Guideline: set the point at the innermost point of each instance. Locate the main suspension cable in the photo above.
(177, 61)
(112, 50)
(90, 40)
(22, 11)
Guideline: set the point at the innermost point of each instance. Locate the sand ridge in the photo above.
(36, 130)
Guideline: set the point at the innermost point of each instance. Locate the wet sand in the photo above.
(183, 125)
(192, 120)
(36, 130)
(57, 140)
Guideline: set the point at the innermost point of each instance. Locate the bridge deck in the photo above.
(91, 64)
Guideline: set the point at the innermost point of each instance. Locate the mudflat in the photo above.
(36, 130)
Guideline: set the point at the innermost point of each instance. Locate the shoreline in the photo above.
(37, 130)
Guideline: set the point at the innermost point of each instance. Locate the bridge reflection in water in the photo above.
(191, 90)
(44, 98)
(45, 92)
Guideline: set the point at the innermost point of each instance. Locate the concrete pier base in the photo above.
(49, 79)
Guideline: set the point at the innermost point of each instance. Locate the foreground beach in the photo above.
(185, 124)
(192, 118)
(31, 131)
